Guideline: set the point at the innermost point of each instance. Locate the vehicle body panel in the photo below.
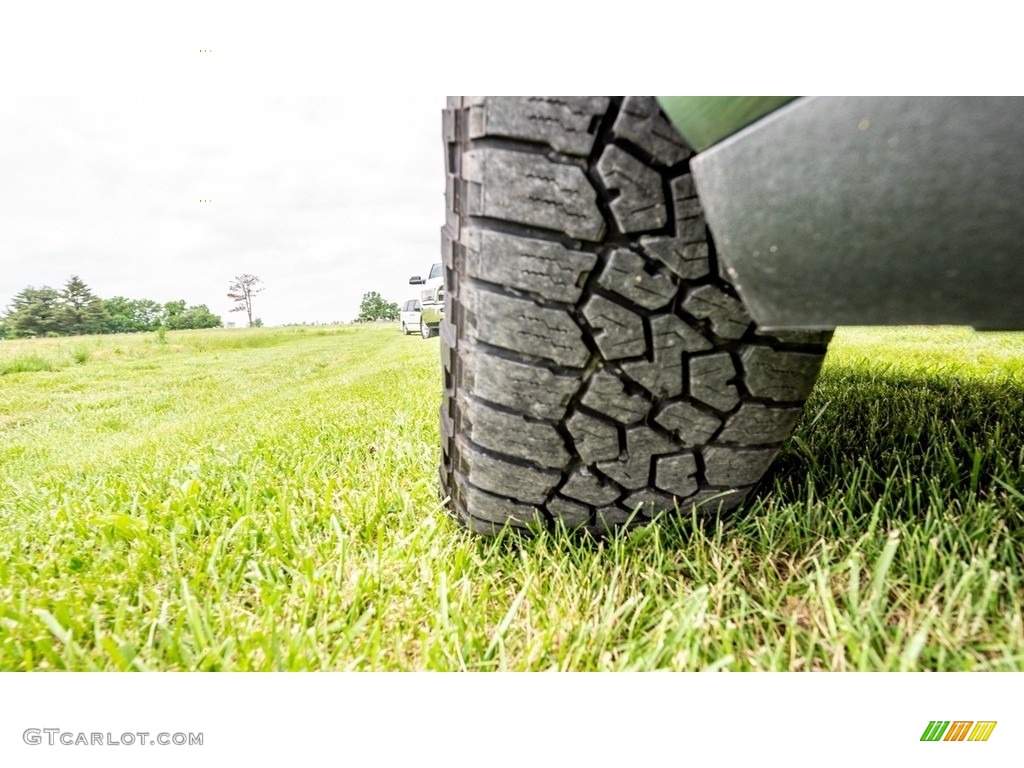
(706, 120)
(409, 317)
(873, 211)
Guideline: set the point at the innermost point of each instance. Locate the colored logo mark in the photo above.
(958, 730)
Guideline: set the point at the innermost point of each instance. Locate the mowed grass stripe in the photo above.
(115, 407)
(309, 433)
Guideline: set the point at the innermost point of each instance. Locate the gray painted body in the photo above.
(873, 211)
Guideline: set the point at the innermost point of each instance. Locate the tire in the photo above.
(598, 369)
(427, 331)
(405, 330)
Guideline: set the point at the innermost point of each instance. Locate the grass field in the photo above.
(266, 499)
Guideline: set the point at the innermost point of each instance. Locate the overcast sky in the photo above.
(109, 142)
(314, 128)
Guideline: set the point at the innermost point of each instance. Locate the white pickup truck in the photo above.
(431, 300)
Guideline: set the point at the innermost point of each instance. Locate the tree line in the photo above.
(75, 310)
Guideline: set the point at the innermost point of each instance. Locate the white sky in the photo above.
(109, 139)
(315, 129)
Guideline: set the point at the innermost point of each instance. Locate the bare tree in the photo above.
(241, 292)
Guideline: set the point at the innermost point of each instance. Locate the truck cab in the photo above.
(431, 300)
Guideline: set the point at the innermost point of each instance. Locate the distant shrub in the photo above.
(80, 355)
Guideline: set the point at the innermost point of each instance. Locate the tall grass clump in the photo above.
(28, 363)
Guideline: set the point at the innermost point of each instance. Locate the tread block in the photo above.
(452, 220)
(530, 389)
(625, 275)
(447, 249)
(641, 121)
(649, 502)
(670, 338)
(447, 423)
(572, 514)
(562, 122)
(709, 381)
(593, 438)
(677, 474)
(662, 378)
(606, 394)
(521, 325)
(640, 204)
(588, 488)
(533, 190)
(618, 333)
(687, 212)
(685, 204)
(731, 466)
(729, 320)
(687, 260)
(633, 470)
(505, 478)
(610, 519)
(448, 133)
(691, 425)
(547, 269)
(494, 509)
(511, 435)
(756, 423)
(779, 375)
(476, 525)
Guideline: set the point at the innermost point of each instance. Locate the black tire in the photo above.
(427, 331)
(405, 330)
(598, 369)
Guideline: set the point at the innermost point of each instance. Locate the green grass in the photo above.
(266, 499)
(25, 363)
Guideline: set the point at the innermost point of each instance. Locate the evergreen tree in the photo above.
(80, 311)
(34, 312)
(76, 310)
